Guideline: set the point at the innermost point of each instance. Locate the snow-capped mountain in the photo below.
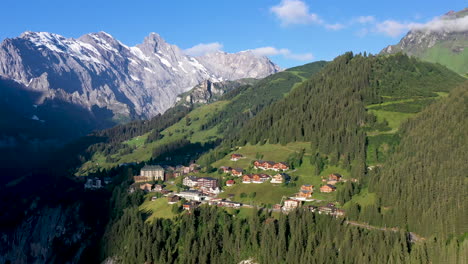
(132, 82)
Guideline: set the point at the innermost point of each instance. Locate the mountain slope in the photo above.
(449, 48)
(429, 170)
(138, 140)
(329, 110)
(132, 82)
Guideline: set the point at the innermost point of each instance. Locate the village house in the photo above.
(305, 191)
(280, 178)
(230, 183)
(334, 177)
(291, 204)
(202, 182)
(236, 157)
(158, 188)
(207, 182)
(190, 181)
(172, 199)
(146, 187)
(260, 178)
(153, 172)
(280, 166)
(247, 178)
(327, 188)
(225, 169)
(154, 198)
(263, 165)
(237, 172)
(277, 207)
(189, 206)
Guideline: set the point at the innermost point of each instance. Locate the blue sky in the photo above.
(290, 32)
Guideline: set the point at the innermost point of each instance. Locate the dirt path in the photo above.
(412, 236)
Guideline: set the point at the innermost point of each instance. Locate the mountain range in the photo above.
(97, 70)
(443, 45)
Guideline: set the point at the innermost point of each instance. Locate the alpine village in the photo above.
(158, 154)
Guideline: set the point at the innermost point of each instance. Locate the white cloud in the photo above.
(272, 51)
(391, 28)
(291, 12)
(204, 48)
(394, 28)
(365, 19)
(336, 26)
(294, 12)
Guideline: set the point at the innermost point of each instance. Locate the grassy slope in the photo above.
(179, 130)
(267, 193)
(442, 53)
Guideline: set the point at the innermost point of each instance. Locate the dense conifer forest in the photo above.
(419, 215)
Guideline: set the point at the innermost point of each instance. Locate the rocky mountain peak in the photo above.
(132, 82)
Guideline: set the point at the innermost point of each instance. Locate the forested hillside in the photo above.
(329, 110)
(422, 186)
(210, 235)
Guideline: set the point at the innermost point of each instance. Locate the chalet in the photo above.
(334, 177)
(236, 157)
(237, 172)
(158, 188)
(260, 178)
(305, 192)
(146, 187)
(277, 207)
(327, 188)
(230, 182)
(172, 199)
(258, 163)
(190, 205)
(225, 169)
(190, 181)
(263, 165)
(307, 187)
(247, 178)
(140, 179)
(153, 172)
(280, 166)
(291, 204)
(302, 195)
(280, 178)
(185, 170)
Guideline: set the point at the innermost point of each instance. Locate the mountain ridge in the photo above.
(438, 44)
(133, 82)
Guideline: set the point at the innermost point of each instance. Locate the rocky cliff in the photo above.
(97, 70)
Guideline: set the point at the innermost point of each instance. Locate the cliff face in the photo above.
(208, 91)
(51, 235)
